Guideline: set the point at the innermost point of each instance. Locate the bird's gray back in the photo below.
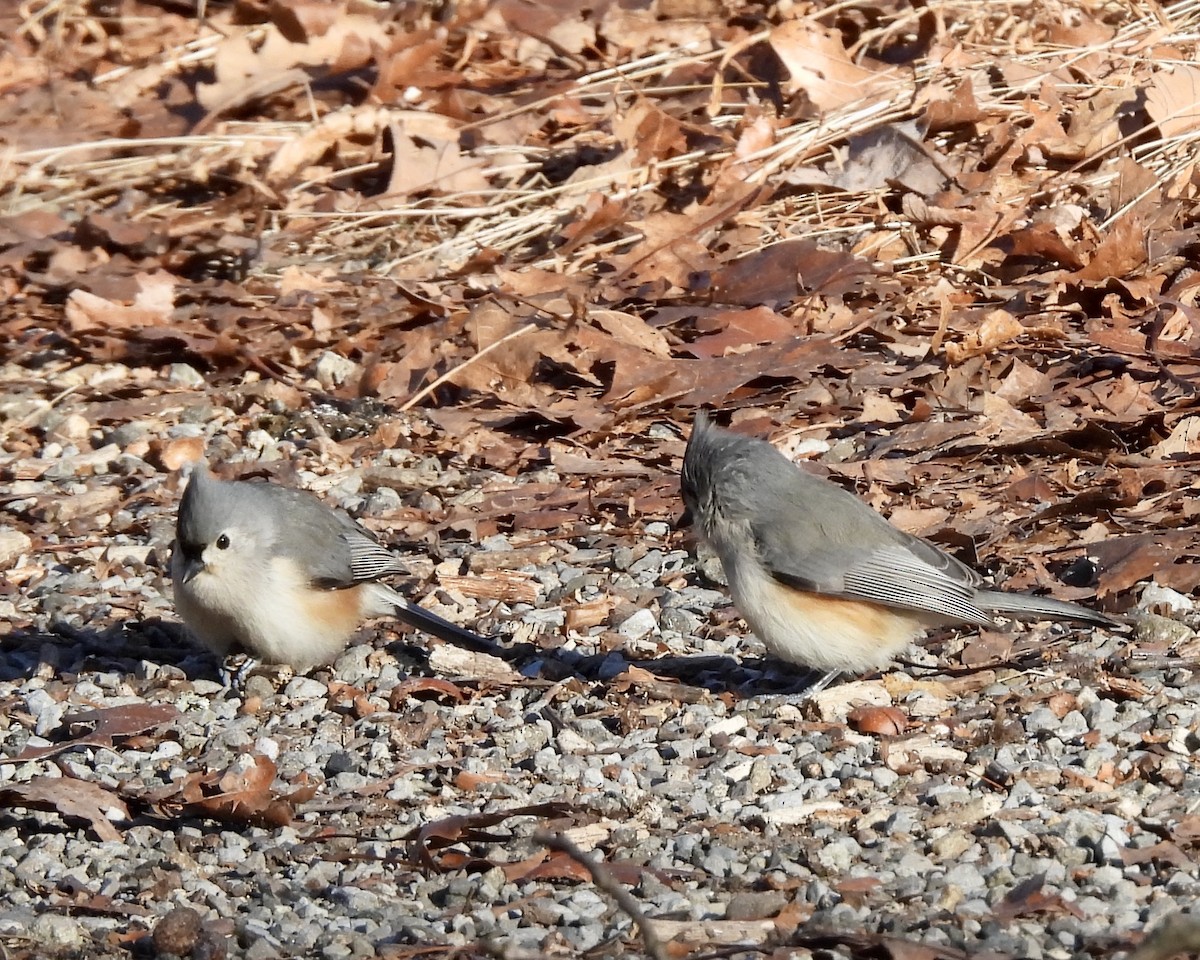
(328, 545)
(807, 529)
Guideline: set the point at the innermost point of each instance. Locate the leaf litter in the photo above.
(951, 246)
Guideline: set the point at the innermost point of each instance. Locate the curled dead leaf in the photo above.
(425, 688)
(882, 721)
(469, 828)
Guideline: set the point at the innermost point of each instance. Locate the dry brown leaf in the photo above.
(1184, 441)
(820, 66)
(1121, 252)
(729, 331)
(1028, 898)
(245, 71)
(438, 835)
(882, 721)
(241, 793)
(649, 133)
(1173, 100)
(109, 724)
(1162, 852)
(781, 272)
(70, 797)
(86, 312)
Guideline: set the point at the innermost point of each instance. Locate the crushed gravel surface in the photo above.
(1043, 805)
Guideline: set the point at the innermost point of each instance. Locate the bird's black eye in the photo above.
(223, 542)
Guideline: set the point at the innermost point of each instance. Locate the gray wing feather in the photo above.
(370, 560)
(335, 549)
(891, 576)
(895, 577)
(1030, 606)
(863, 557)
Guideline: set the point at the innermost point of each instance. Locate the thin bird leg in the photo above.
(822, 683)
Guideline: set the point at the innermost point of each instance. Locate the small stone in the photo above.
(71, 427)
(56, 931)
(951, 845)
(178, 931)
(261, 949)
(712, 571)
(13, 543)
(305, 688)
(1150, 628)
(1042, 720)
(381, 502)
(755, 905)
(126, 553)
(185, 375)
(258, 687)
(333, 369)
(1164, 601)
(1183, 741)
(639, 625)
(89, 503)
(623, 558)
(683, 622)
(728, 726)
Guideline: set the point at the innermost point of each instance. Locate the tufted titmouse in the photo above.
(281, 574)
(821, 578)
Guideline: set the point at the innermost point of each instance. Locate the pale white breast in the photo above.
(823, 632)
(273, 614)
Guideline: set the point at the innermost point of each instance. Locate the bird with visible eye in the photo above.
(278, 573)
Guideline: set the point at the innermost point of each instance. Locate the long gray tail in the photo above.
(1047, 608)
(431, 623)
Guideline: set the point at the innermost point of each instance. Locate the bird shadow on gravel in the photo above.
(685, 678)
(120, 647)
(127, 646)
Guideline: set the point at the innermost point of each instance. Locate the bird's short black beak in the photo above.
(191, 567)
(193, 563)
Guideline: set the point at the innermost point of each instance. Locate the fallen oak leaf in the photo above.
(1164, 852)
(110, 723)
(1187, 830)
(465, 780)
(422, 687)
(241, 793)
(1027, 897)
(70, 797)
(86, 312)
(78, 898)
(468, 828)
(998, 329)
(561, 866)
(821, 67)
(779, 273)
(856, 890)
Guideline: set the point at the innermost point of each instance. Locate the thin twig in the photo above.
(422, 394)
(609, 884)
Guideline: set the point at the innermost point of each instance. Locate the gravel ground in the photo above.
(1041, 806)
